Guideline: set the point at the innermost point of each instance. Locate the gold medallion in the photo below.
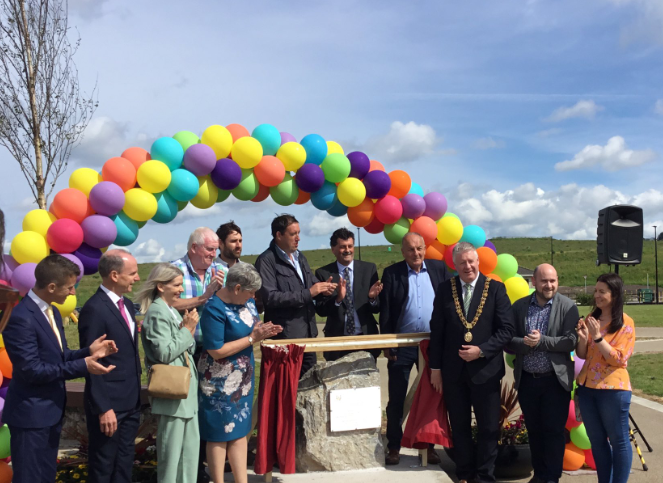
(468, 337)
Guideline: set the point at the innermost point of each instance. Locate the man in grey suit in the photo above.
(545, 337)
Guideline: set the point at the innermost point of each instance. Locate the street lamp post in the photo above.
(656, 260)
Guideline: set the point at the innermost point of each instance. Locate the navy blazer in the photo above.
(118, 390)
(37, 395)
(393, 297)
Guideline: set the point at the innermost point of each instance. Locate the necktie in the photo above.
(467, 298)
(51, 319)
(120, 304)
(349, 303)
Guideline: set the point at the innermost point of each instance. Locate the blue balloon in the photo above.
(338, 208)
(168, 151)
(475, 235)
(127, 229)
(183, 185)
(315, 147)
(269, 137)
(167, 208)
(416, 189)
(323, 199)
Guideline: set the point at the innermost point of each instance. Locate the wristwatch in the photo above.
(481, 354)
(598, 341)
(250, 340)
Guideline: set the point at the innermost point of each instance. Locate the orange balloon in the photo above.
(137, 156)
(303, 198)
(362, 214)
(269, 171)
(492, 276)
(426, 227)
(263, 193)
(487, 260)
(400, 183)
(435, 250)
(6, 472)
(120, 171)
(574, 458)
(237, 131)
(71, 203)
(5, 364)
(376, 166)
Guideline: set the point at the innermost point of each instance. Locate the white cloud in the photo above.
(647, 27)
(105, 138)
(612, 157)
(404, 143)
(658, 107)
(323, 224)
(149, 251)
(488, 143)
(549, 132)
(190, 212)
(582, 109)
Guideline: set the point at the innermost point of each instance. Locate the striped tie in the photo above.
(467, 298)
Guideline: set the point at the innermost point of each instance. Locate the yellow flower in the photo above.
(76, 476)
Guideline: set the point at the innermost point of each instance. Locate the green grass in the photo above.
(646, 372)
(643, 315)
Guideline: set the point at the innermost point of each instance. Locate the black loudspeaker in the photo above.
(619, 235)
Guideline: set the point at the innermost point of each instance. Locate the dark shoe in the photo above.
(203, 477)
(433, 458)
(393, 457)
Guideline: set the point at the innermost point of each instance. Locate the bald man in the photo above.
(545, 336)
(112, 401)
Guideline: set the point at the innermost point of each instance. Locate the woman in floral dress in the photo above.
(230, 326)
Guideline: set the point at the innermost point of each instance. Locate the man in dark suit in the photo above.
(112, 402)
(472, 323)
(349, 310)
(289, 286)
(42, 362)
(543, 369)
(406, 305)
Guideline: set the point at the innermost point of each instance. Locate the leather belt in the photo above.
(537, 375)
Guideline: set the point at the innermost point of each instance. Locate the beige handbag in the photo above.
(169, 382)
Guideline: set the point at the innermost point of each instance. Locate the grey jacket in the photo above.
(560, 340)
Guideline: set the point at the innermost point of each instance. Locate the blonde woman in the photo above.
(168, 339)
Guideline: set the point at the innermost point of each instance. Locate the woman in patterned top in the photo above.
(230, 326)
(605, 340)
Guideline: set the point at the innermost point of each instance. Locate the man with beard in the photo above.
(545, 336)
(230, 244)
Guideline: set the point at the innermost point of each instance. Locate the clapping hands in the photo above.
(265, 330)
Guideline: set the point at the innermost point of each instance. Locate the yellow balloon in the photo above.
(2, 342)
(351, 192)
(38, 221)
(247, 152)
(334, 147)
(219, 139)
(292, 155)
(67, 307)
(207, 195)
(84, 179)
(153, 176)
(139, 205)
(29, 247)
(449, 230)
(516, 288)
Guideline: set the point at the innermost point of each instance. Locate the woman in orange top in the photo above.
(605, 340)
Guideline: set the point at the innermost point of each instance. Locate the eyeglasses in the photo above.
(9, 297)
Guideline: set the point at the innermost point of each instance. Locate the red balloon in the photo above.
(571, 421)
(374, 227)
(589, 459)
(71, 203)
(303, 198)
(448, 258)
(426, 227)
(64, 235)
(263, 193)
(388, 210)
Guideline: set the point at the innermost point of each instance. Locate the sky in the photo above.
(529, 116)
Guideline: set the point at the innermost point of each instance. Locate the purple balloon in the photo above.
(436, 205)
(89, 257)
(200, 159)
(4, 388)
(490, 245)
(2, 407)
(99, 231)
(310, 178)
(106, 198)
(23, 278)
(7, 267)
(74, 258)
(578, 362)
(413, 205)
(227, 174)
(378, 184)
(359, 164)
(286, 137)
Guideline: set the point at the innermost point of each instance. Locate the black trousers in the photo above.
(545, 405)
(473, 461)
(399, 377)
(309, 360)
(34, 453)
(111, 460)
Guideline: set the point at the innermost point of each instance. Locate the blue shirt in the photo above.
(538, 362)
(294, 261)
(419, 305)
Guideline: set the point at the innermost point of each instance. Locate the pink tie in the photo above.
(120, 304)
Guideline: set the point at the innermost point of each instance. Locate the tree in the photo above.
(42, 112)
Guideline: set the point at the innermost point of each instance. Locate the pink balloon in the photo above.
(589, 459)
(388, 209)
(578, 364)
(571, 421)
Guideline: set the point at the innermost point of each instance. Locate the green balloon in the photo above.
(573, 391)
(453, 215)
(223, 195)
(507, 266)
(5, 449)
(579, 437)
(141, 224)
(395, 232)
(286, 192)
(248, 187)
(509, 359)
(336, 167)
(181, 205)
(186, 139)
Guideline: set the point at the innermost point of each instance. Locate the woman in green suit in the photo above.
(168, 339)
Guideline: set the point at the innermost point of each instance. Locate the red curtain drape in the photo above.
(277, 398)
(427, 421)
